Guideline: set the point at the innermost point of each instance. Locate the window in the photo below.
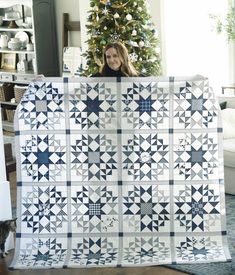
(190, 45)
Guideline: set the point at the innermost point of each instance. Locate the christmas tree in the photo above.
(129, 22)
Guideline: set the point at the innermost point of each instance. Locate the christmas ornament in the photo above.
(128, 16)
(134, 33)
(116, 15)
(132, 43)
(143, 70)
(95, 8)
(155, 32)
(102, 42)
(140, 59)
(105, 11)
(133, 57)
(141, 44)
(115, 37)
(105, 28)
(139, 9)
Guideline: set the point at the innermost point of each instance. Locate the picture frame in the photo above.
(8, 61)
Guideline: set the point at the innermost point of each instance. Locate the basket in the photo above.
(10, 115)
(19, 92)
(6, 91)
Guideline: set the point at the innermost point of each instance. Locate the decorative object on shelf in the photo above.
(19, 91)
(12, 16)
(12, 24)
(29, 21)
(22, 65)
(32, 39)
(8, 61)
(4, 40)
(23, 37)
(34, 65)
(29, 47)
(6, 91)
(14, 44)
(10, 114)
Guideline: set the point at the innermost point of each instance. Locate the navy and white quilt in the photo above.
(119, 172)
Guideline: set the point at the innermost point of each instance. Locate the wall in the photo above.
(77, 12)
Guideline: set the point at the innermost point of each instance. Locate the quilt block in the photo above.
(119, 172)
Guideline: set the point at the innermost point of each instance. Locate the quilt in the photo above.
(119, 172)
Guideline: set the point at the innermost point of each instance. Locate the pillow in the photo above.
(228, 121)
(223, 105)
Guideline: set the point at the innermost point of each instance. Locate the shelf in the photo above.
(8, 103)
(6, 50)
(6, 29)
(30, 73)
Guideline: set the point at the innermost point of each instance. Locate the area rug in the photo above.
(119, 172)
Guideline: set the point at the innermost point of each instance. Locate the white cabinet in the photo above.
(34, 22)
(28, 43)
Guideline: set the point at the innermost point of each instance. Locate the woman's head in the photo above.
(113, 58)
(116, 57)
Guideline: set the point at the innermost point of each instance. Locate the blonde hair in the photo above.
(126, 66)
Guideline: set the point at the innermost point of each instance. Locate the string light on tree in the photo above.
(128, 21)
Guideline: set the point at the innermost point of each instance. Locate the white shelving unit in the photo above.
(43, 59)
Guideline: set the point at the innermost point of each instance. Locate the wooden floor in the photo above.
(4, 263)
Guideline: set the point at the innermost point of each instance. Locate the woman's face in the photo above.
(113, 59)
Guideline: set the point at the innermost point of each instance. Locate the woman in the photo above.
(116, 62)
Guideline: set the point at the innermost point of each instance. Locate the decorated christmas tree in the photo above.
(129, 22)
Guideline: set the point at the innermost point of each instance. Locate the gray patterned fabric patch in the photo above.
(119, 173)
